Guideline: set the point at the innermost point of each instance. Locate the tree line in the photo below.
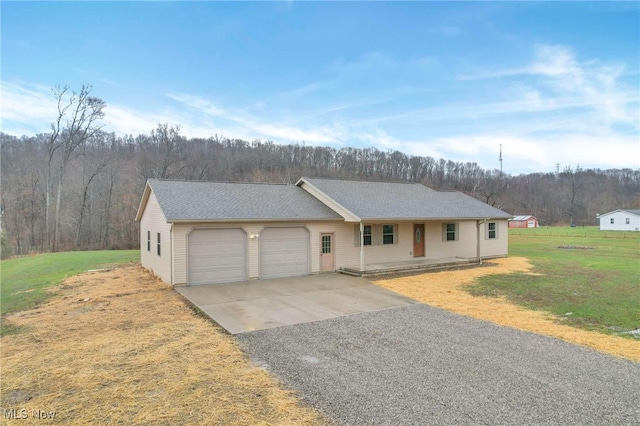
(78, 186)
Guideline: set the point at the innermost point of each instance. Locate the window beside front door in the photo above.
(149, 241)
(158, 244)
(366, 238)
(388, 235)
(450, 232)
(377, 235)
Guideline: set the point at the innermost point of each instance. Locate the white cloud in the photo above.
(26, 106)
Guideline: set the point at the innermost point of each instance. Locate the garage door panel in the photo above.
(217, 256)
(284, 252)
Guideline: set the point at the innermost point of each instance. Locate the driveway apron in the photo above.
(257, 305)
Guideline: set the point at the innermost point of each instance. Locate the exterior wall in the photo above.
(464, 247)
(620, 224)
(435, 247)
(494, 247)
(518, 224)
(346, 252)
(530, 223)
(343, 235)
(153, 220)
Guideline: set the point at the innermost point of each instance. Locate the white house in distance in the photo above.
(195, 232)
(620, 220)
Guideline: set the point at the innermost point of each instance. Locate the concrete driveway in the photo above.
(259, 305)
(419, 365)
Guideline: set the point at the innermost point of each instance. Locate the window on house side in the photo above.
(387, 234)
(612, 220)
(158, 244)
(627, 221)
(149, 241)
(492, 230)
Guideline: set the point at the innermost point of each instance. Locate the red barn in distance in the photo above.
(523, 221)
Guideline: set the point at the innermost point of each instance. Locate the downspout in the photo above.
(361, 247)
(171, 239)
(478, 242)
(478, 254)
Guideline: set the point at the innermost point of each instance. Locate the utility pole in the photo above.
(500, 159)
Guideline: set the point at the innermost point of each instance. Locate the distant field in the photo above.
(25, 280)
(590, 278)
(578, 231)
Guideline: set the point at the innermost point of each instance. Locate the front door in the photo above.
(326, 253)
(418, 239)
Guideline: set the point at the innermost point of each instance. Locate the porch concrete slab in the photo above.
(257, 305)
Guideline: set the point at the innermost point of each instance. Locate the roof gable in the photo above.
(233, 201)
(385, 200)
(634, 212)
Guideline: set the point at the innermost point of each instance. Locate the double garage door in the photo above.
(221, 255)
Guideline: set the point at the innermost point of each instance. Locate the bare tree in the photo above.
(81, 113)
(573, 181)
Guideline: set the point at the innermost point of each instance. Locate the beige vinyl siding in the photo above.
(465, 245)
(153, 220)
(402, 249)
(343, 244)
(498, 246)
(344, 251)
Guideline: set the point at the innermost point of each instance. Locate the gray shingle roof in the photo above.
(632, 211)
(384, 200)
(196, 200)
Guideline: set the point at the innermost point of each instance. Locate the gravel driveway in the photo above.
(422, 365)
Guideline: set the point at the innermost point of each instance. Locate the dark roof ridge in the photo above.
(218, 181)
(362, 180)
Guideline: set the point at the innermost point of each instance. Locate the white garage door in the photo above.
(217, 256)
(284, 252)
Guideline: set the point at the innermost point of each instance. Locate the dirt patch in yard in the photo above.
(444, 290)
(121, 347)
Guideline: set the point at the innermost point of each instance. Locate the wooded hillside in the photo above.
(79, 187)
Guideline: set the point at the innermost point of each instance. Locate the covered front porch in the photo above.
(414, 265)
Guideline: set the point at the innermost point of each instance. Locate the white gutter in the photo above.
(361, 246)
(478, 254)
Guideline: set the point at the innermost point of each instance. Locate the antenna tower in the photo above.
(500, 159)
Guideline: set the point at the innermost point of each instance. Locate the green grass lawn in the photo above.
(25, 280)
(594, 283)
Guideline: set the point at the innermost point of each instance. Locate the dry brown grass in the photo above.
(120, 347)
(444, 290)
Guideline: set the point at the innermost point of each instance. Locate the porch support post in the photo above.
(361, 246)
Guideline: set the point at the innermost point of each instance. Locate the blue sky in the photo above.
(550, 82)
